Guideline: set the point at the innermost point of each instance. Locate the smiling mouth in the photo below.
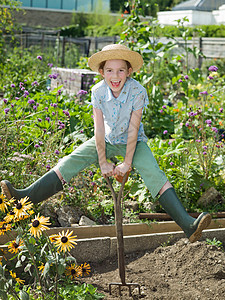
(115, 83)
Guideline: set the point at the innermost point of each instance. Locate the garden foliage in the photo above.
(39, 125)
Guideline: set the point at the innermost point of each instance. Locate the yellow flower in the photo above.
(73, 271)
(4, 227)
(65, 241)
(13, 275)
(41, 267)
(86, 269)
(53, 237)
(13, 246)
(9, 217)
(22, 207)
(38, 225)
(3, 203)
(20, 281)
(0, 260)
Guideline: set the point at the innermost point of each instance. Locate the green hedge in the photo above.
(206, 30)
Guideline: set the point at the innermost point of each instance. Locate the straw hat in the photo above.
(116, 51)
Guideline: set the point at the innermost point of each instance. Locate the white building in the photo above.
(198, 12)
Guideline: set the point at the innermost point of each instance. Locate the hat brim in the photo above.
(134, 58)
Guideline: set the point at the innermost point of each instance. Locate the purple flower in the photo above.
(204, 93)
(39, 57)
(5, 100)
(48, 167)
(161, 111)
(192, 114)
(221, 110)
(208, 122)
(36, 146)
(39, 119)
(82, 92)
(17, 98)
(180, 80)
(198, 141)
(164, 106)
(47, 119)
(26, 93)
(215, 129)
(205, 147)
(56, 151)
(66, 113)
(187, 124)
(213, 69)
(59, 92)
(12, 105)
(46, 108)
(30, 101)
(61, 125)
(54, 104)
(50, 65)
(186, 77)
(6, 110)
(210, 77)
(204, 153)
(12, 85)
(171, 163)
(35, 107)
(34, 83)
(165, 131)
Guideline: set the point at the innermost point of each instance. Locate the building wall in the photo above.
(195, 17)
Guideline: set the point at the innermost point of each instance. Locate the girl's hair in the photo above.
(102, 64)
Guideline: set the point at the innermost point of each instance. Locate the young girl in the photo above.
(118, 102)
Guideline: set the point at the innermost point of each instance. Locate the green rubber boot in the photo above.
(192, 227)
(40, 190)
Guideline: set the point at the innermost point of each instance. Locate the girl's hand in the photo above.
(107, 169)
(121, 169)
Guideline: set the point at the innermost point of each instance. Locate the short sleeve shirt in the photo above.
(117, 111)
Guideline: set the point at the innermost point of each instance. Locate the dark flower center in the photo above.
(12, 213)
(15, 245)
(19, 205)
(1, 201)
(35, 223)
(64, 239)
(73, 272)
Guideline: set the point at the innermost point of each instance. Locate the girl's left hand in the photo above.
(121, 169)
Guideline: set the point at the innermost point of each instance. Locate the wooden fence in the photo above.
(210, 47)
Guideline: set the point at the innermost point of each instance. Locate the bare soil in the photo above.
(183, 271)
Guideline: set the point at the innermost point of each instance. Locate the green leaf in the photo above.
(3, 295)
(61, 268)
(24, 295)
(27, 268)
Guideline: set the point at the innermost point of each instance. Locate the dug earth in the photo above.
(183, 271)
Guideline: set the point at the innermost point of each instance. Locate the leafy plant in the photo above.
(215, 242)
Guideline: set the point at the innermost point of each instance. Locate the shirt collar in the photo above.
(123, 95)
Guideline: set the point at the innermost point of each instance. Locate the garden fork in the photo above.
(119, 234)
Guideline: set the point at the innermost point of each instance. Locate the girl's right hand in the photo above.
(107, 169)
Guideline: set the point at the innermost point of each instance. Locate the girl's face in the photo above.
(115, 73)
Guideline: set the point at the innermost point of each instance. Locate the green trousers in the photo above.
(143, 160)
